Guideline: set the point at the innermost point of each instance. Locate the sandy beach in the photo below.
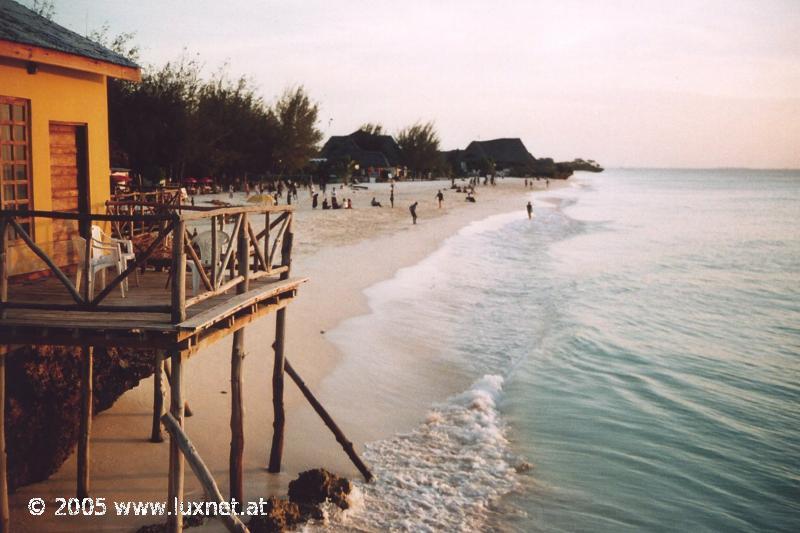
(342, 252)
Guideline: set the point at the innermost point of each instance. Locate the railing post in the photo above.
(214, 253)
(178, 273)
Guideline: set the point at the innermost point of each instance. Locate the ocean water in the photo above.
(628, 360)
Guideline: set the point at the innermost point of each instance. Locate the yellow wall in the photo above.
(61, 95)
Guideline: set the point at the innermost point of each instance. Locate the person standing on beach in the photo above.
(529, 207)
(413, 210)
(440, 198)
(391, 195)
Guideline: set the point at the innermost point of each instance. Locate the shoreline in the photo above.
(363, 247)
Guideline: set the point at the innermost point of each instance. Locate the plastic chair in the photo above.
(105, 253)
(203, 243)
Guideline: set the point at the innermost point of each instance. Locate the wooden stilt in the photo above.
(4, 513)
(232, 522)
(86, 421)
(279, 416)
(158, 396)
(237, 358)
(175, 520)
(340, 436)
(187, 412)
(237, 418)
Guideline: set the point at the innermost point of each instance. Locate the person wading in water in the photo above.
(529, 207)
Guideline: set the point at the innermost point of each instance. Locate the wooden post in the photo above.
(214, 253)
(232, 522)
(187, 412)
(279, 416)
(340, 436)
(158, 396)
(237, 358)
(178, 273)
(86, 421)
(3, 266)
(4, 513)
(175, 496)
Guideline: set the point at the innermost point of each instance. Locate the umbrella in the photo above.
(120, 178)
(190, 180)
(208, 180)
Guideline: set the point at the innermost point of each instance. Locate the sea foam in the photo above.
(442, 476)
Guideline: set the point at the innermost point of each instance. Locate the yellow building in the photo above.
(54, 149)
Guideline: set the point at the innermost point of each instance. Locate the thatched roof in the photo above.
(509, 152)
(366, 149)
(19, 24)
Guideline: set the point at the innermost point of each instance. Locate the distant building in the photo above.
(376, 155)
(505, 154)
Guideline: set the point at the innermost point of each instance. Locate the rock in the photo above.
(313, 487)
(281, 515)
(43, 402)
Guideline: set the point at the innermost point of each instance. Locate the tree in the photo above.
(151, 122)
(419, 146)
(298, 136)
(232, 131)
(44, 8)
(372, 128)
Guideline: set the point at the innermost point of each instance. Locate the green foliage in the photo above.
(298, 136)
(375, 128)
(419, 145)
(174, 124)
(45, 8)
(123, 44)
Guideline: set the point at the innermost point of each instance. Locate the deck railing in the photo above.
(250, 253)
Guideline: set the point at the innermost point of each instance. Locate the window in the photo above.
(15, 156)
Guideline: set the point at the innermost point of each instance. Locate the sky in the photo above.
(703, 83)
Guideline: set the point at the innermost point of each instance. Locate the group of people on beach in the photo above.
(277, 189)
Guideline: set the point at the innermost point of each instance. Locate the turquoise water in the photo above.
(629, 360)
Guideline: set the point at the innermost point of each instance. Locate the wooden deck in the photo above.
(114, 326)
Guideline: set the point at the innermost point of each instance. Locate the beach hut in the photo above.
(54, 121)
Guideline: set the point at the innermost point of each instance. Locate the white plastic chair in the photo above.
(106, 252)
(207, 255)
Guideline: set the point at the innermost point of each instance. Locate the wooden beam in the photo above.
(5, 517)
(158, 396)
(340, 436)
(47, 261)
(175, 496)
(48, 56)
(86, 421)
(238, 302)
(201, 214)
(201, 471)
